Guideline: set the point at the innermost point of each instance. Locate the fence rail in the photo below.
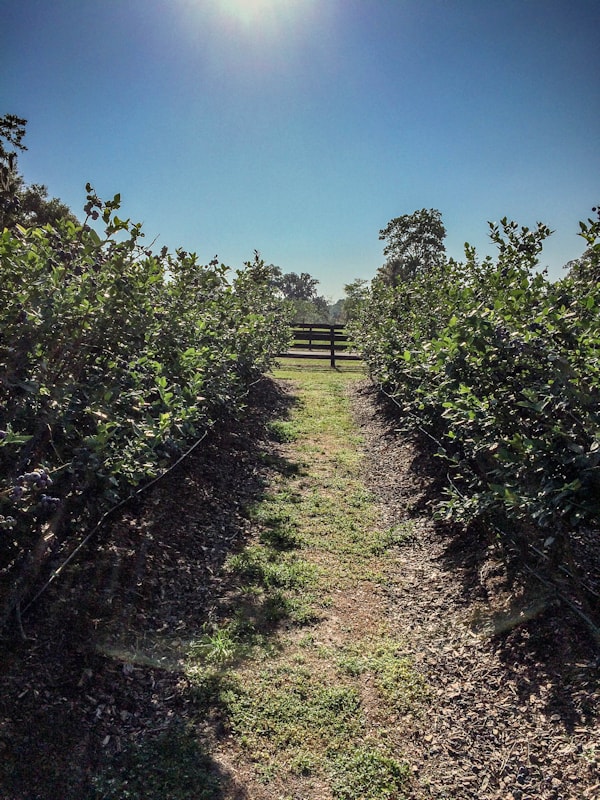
(311, 340)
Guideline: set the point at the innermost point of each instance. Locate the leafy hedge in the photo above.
(502, 368)
(113, 360)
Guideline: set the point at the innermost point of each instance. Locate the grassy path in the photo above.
(257, 630)
(311, 710)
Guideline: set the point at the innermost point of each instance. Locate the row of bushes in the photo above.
(501, 367)
(114, 359)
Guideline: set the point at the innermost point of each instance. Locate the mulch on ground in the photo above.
(513, 673)
(514, 710)
(100, 667)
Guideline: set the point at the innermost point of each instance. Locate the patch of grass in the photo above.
(392, 537)
(260, 565)
(300, 367)
(331, 510)
(304, 764)
(276, 521)
(289, 713)
(275, 584)
(280, 464)
(173, 765)
(294, 719)
(279, 537)
(395, 677)
(299, 610)
(344, 525)
(367, 773)
(208, 684)
(283, 431)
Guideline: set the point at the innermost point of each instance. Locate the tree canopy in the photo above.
(300, 291)
(20, 203)
(415, 243)
(296, 287)
(12, 132)
(586, 269)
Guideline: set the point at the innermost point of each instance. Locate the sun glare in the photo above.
(250, 38)
(252, 12)
(262, 18)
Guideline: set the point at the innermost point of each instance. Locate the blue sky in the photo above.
(301, 127)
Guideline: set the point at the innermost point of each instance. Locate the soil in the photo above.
(513, 674)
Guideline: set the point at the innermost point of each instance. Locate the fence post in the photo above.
(332, 342)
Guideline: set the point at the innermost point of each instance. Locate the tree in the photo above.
(298, 287)
(337, 312)
(20, 203)
(316, 310)
(356, 293)
(36, 208)
(415, 243)
(300, 292)
(12, 131)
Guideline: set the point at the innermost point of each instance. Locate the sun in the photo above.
(267, 18)
(252, 12)
(250, 38)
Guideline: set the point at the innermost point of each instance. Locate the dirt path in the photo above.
(316, 719)
(283, 620)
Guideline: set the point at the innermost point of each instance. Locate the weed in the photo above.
(218, 646)
(591, 755)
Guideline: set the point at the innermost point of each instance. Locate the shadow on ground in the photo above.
(546, 647)
(94, 702)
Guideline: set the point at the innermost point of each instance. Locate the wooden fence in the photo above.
(310, 340)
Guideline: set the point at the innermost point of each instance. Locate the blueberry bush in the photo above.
(113, 361)
(501, 367)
